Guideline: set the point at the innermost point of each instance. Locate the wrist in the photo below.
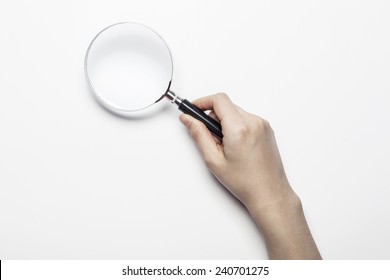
(276, 212)
(285, 230)
(274, 198)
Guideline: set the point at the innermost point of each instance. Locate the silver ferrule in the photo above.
(175, 99)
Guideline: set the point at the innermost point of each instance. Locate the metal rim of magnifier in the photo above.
(96, 94)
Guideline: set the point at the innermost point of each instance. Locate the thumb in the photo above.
(203, 138)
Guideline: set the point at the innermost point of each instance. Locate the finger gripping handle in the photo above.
(190, 109)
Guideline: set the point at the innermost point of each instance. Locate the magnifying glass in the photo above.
(128, 67)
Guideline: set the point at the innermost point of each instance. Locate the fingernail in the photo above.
(184, 119)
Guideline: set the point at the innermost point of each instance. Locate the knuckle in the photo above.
(255, 126)
(222, 95)
(241, 130)
(262, 125)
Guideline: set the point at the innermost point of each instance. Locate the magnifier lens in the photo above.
(128, 67)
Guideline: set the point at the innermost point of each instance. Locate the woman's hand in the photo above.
(248, 164)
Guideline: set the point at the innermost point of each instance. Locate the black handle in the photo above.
(215, 127)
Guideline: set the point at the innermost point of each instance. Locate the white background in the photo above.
(77, 182)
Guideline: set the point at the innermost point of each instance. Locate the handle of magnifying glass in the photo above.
(190, 109)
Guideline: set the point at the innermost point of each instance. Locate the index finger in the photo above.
(220, 103)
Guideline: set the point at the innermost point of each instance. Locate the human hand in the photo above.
(248, 164)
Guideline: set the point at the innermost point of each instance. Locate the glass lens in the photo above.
(128, 66)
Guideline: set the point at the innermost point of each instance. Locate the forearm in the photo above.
(285, 230)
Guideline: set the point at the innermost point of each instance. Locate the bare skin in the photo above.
(248, 164)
